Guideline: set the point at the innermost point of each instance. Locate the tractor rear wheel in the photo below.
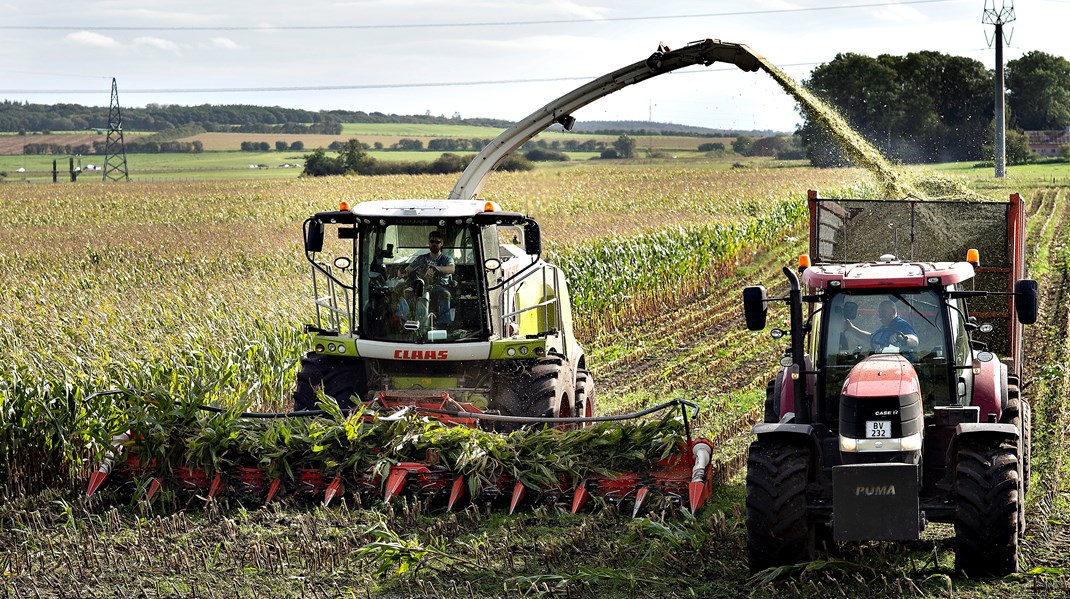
(1019, 413)
(987, 507)
(340, 378)
(778, 530)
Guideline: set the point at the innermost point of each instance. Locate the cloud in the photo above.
(898, 13)
(158, 43)
(88, 38)
(225, 43)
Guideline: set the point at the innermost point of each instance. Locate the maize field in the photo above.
(190, 293)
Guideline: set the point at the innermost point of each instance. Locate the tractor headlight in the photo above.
(908, 443)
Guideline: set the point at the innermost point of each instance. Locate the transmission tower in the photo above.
(115, 147)
(999, 18)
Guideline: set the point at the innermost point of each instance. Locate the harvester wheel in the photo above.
(987, 507)
(538, 391)
(585, 405)
(341, 378)
(778, 530)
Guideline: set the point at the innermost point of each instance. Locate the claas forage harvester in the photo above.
(447, 308)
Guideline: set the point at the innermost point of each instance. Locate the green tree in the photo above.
(319, 164)
(281, 146)
(742, 145)
(1038, 86)
(355, 160)
(625, 146)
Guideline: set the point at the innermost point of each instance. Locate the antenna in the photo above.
(999, 17)
(115, 147)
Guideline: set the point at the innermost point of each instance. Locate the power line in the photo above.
(439, 25)
(302, 88)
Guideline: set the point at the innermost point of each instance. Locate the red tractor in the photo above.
(891, 408)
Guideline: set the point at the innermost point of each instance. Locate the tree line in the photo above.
(18, 116)
(930, 107)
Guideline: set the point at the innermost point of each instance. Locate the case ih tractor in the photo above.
(892, 409)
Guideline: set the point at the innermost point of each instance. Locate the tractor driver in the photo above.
(436, 269)
(894, 330)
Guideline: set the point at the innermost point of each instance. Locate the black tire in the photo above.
(771, 412)
(539, 390)
(987, 508)
(1027, 446)
(585, 394)
(778, 530)
(1019, 413)
(341, 378)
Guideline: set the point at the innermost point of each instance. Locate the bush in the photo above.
(711, 147)
(608, 154)
(541, 155)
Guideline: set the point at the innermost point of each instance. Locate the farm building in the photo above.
(1047, 143)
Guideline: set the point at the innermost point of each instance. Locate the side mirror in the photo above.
(754, 307)
(314, 235)
(850, 310)
(532, 238)
(1026, 294)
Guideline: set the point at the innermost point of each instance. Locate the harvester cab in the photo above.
(891, 408)
(442, 296)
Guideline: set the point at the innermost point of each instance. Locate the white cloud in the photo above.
(88, 38)
(158, 43)
(898, 13)
(225, 43)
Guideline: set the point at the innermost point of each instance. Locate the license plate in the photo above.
(878, 429)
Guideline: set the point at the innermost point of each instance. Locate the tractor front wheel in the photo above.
(988, 493)
(778, 529)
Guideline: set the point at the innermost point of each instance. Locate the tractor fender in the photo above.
(802, 433)
(990, 388)
(789, 433)
(981, 430)
(784, 390)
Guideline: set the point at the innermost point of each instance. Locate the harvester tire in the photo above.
(987, 507)
(340, 378)
(585, 405)
(778, 530)
(539, 390)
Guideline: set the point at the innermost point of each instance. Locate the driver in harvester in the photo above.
(894, 331)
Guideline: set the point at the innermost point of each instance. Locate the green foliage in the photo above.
(625, 146)
(922, 107)
(1039, 86)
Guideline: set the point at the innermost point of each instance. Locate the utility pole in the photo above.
(115, 147)
(1000, 17)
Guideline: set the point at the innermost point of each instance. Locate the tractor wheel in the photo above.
(987, 508)
(340, 378)
(771, 411)
(778, 530)
(1027, 445)
(585, 405)
(540, 390)
(1019, 413)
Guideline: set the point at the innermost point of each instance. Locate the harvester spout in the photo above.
(664, 60)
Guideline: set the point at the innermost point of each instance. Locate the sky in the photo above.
(500, 59)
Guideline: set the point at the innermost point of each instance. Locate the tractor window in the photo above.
(420, 284)
(862, 324)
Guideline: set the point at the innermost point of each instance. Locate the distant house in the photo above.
(1047, 143)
